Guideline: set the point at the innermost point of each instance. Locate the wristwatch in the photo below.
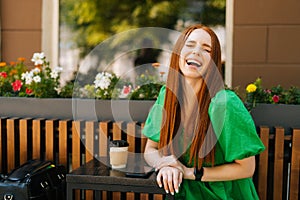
(198, 174)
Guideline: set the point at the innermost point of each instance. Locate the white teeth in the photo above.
(194, 62)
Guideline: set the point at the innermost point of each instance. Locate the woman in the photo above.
(201, 139)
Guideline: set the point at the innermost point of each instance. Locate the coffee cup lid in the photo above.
(119, 143)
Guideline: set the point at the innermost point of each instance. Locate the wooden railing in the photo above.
(279, 165)
(73, 143)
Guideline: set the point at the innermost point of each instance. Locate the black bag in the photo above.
(35, 180)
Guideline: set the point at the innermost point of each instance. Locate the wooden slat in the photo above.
(131, 135)
(117, 131)
(117, 135)
(263, 164)
(295, 165)
(76, 133)
(103, 138)
(49, 137)
(89, 139)
(63, 142)
(89, 147)
(143, 140)
(36, 138)
(1, 147)
(10, 144)
(103, 144)
(158, 197)
(278, 164)
(76, 141)
(24, 123)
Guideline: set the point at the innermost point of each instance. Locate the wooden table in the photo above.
(98, 176)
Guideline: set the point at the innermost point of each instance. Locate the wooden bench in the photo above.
(65, 142)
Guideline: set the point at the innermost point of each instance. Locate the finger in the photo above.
(158, 179)
(165, 178)
(180, 179)
(170, 181)
(176, 176)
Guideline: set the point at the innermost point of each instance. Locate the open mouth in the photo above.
(194, 63)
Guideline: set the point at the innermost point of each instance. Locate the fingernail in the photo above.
(179, 185)
(167, 191)
(160, 186)
(176, 190)
(172, 193)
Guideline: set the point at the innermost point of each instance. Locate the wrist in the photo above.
(198, 174)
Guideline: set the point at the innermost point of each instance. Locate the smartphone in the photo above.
(141, 174)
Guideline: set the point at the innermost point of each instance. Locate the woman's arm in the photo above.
(237, 170)
(170, 169)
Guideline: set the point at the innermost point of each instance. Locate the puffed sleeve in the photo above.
(153, 122)
(234, 127)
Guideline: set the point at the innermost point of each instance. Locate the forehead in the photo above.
(199, 36)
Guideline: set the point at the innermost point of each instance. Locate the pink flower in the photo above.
(3, 74)
(268, 91)
(275, 98)
(17, 85)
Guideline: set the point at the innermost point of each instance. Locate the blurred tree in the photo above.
(214, 12)
(93, 21)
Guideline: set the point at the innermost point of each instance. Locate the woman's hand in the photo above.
(168, 161)
(170, 178)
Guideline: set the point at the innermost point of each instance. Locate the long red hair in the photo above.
(211, 83)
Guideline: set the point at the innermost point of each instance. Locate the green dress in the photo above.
(237, 139)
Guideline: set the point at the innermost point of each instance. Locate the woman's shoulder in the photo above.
(161, 96)
(225, 95)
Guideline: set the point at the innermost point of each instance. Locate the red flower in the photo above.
(28, 91)
(17, 85)
(275, 98)
(3, 74)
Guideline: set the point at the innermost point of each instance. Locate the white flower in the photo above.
(37, 79)
(27, 76)
(55, 72)
(36, 70)
(38, 58)
(102, 80)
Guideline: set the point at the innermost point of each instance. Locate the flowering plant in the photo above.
(41, 81)
(255, 93)
(109, 86)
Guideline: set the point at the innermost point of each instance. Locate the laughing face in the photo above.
(195, 54)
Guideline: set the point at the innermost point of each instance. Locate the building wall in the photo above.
(266, 42)
(265, 38)
(21, 31)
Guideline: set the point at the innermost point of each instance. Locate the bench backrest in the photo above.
(72, 143)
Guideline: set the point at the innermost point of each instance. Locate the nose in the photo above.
(197, 50)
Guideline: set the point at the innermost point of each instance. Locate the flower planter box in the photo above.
(78, 109)
(286, 116)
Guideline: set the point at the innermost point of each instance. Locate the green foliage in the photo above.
(256, 93)
(93, 21)
(214, 12)
(149, 91)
